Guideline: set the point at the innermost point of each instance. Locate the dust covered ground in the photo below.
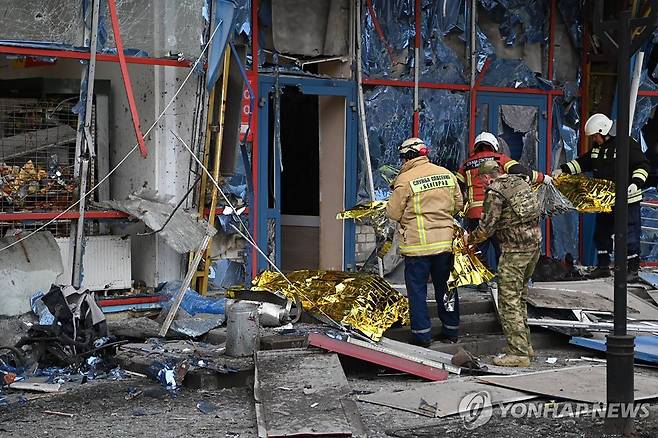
(101, 409)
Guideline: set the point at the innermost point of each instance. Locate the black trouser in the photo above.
(605, 228)
(486, 246)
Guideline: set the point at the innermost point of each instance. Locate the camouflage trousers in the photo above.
(514, 271)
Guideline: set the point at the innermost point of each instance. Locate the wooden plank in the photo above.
(186, 283)
(378, 357)
(586, 383)
(298, 393)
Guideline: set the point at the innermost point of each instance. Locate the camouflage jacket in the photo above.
(499, 218)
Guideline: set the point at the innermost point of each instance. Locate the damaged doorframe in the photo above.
(310, 86)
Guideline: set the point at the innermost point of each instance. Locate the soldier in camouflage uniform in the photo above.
(511, 212)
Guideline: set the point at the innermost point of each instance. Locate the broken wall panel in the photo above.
(50, 21)
(513, 73)
(520, 21)
(387, 38)
(444, 48)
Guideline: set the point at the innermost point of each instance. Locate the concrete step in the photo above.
(468, 307)
(486, 323)
(492, 344)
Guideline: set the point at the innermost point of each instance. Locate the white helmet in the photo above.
(598, 124)
(488, 138)
(413, 144)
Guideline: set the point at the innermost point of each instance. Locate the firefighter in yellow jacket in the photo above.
(425, 197)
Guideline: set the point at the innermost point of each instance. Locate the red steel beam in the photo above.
(45, 216)
(377, 357)
(126, 77)
(379, 30)
(74, 54)
(410, 84)
(132, 300)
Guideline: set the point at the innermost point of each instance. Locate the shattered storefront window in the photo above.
(387, 38)
(389, 116)
(52, 21)
(444, 48)
(517, 125)
(159, 28)
(148, 27)
(565, 148)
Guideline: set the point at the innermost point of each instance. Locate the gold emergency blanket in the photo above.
(588, 195)
(467, 268)
(374, 214)
(362, 301)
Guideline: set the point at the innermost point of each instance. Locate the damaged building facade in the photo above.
(289, 146)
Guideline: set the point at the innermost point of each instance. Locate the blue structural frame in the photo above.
(309, 86)
(494, 101)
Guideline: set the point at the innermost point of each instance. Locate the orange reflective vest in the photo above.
(468, 176)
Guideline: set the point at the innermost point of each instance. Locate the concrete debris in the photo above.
(184, 232)
(28, 267)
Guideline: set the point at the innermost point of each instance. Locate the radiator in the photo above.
(106, 263)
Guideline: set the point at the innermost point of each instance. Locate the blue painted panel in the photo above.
(646, 347)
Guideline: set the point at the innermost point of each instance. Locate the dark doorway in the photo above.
(300, 180)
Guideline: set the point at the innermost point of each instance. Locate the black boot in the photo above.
(632, 275)
(602, 269)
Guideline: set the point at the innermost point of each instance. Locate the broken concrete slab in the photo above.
(209, 367)
(442, 399)
(584, 383)
(31, 266)
(567, 299)
(299, 393)
(184, 231)
(596, 289)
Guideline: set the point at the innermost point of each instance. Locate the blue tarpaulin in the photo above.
(530, 15)
(646, 347)
(224, 14)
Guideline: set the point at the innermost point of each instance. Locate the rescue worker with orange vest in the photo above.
(485, 149)
(424, 200)
(600, 160)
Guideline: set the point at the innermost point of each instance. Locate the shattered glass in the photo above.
(571, 11)
(389, 115)
(644, 106)
(521, 21)
(441, 63)
(52, 21)
(564, 148)
(649, 237)
(158, 27)
(513, 73)
(388, 45)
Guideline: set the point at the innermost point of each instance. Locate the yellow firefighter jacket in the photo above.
(424, 199)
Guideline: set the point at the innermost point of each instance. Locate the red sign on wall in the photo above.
(245, 112)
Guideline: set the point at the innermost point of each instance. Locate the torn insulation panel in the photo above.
(513, 73)
(184, 232)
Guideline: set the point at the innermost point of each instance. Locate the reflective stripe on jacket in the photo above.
(425, 197)
(468, 175)
(601, 160)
